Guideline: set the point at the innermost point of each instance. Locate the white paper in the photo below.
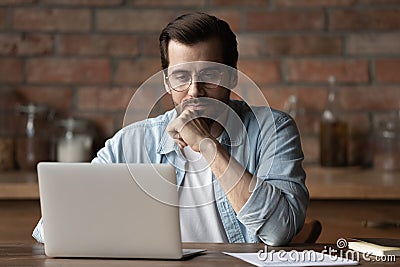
(292, 258)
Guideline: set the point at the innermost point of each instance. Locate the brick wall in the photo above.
(86, 57)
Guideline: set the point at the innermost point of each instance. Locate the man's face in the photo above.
(191, 96)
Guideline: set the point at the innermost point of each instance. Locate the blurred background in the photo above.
(86, 58)
(80, 61)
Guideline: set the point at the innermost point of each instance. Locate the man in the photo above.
(239, 180)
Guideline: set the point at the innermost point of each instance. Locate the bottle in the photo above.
(333, 131)
(73, 140)
(33, 136)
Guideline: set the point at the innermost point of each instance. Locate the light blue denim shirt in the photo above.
(267, 144)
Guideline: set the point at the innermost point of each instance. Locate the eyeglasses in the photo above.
(181, 80)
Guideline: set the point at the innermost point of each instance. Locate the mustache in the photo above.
(201, 103)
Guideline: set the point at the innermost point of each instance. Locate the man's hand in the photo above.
(189, 130)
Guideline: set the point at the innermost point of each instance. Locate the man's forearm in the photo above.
(234, 179)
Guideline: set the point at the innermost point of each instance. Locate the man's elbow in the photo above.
(279, 236)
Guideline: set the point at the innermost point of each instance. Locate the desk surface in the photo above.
(33, 255)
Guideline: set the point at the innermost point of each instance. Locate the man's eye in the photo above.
(181, 77)
(210, 75)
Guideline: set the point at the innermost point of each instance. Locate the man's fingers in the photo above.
(181, 143)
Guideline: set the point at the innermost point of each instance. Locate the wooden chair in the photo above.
(309, 233)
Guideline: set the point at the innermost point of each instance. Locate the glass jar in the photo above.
(33, 135)
(73, 140)
(387, 146)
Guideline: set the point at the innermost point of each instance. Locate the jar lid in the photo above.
(388, 129)
(73, 123)
(32, 108)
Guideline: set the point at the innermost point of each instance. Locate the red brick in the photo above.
(314, 3)
(370, 98)
(373, 44)
(387, 70)
(29, 44)
(161, 106)
(8, 99)
(104, 99)
(260, 71)
(250, 45)
(136, 71)
(307, 45)
(117, 45)
(257, 3)
(285, 20)
(309, 70)
(133, 20)
(170, 3)
(374, 19)
(149, 98)
(11, 70)
(309, 105)
(379, 2)
(230, 16)
(150, 45)
(273, 97)
(146, 104)
(17, 2)
(2, 18)
(57, 98)
(104, 123)
(84, 2)
(86, 71)
(46, 19)
(310, 98)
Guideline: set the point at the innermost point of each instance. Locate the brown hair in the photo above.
(196, 27)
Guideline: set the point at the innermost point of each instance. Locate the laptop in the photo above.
(110, 211)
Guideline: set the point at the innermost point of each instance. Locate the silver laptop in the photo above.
(110, 210)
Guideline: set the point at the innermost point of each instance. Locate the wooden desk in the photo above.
(33, 255)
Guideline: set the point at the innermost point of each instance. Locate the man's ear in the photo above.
(233, 79)
(166, 84)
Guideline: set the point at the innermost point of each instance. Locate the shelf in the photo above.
(352, 183)
(323, 183)
(18, 185)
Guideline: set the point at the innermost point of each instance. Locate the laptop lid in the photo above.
(110, 210)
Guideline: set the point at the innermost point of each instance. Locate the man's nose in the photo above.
(196, 90)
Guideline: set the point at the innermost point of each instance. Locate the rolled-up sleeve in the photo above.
(276, 209)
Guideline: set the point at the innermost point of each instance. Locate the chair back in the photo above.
(309, 233)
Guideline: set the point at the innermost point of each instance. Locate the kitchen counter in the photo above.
(352, 183)
(18, 185)
(323, 183)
